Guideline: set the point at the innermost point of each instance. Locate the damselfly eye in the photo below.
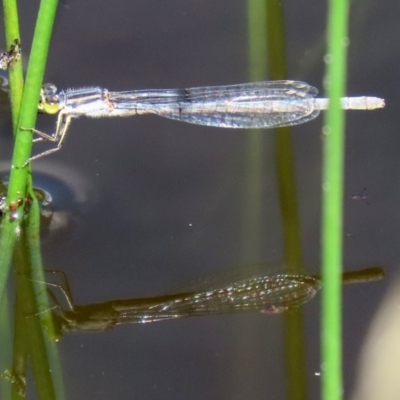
(49, 89)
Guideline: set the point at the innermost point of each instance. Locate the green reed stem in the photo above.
(11, 223)
(332, 207)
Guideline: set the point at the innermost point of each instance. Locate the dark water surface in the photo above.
(152, 203)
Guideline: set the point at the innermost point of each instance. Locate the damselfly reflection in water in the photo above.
(244, 106)
(267, 293)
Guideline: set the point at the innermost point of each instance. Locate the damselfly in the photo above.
(250, 105)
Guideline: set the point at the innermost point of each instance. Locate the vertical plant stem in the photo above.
(6, 347)
(32, 332)
(24, 111)
(7, 228)
(11, 224)
(256, 154)
(15, 72)
(295, 365)
(267, 58)
(332, 207)
(37, 275)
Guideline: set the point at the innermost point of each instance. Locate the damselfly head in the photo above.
(49, 102)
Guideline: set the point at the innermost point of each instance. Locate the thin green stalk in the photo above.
(35, 342)
(11, 224)
(332, 207)
(41, 296)
(30, 320)
(15, 72)
(267, 58)
(257, 40)
(295, 364)
(255, 157)
(20, 351)
(5, 346)
(24, 114)
(7, 229)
